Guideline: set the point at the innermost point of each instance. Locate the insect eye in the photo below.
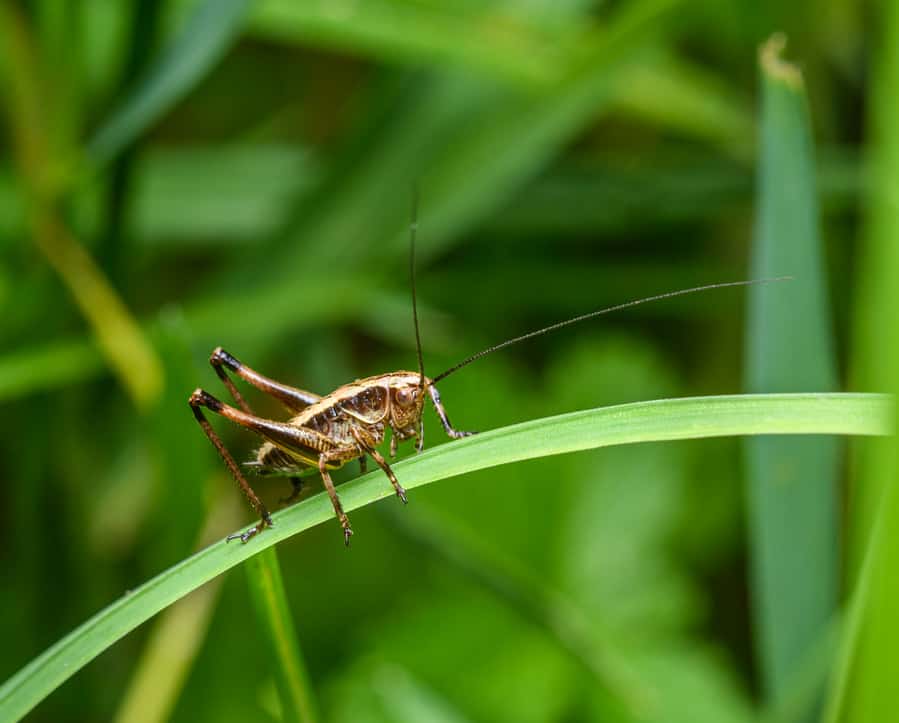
(404, 397)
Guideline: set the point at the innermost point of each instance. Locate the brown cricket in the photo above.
(351, 422)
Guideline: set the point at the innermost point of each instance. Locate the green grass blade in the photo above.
(176, 639)
(673, 93)
(491, 140)
(202, 42)
(57, 364)
(117, 333)
(671, 419)
(867, 668)
(485, 38)
(273, 613)
(792, 500)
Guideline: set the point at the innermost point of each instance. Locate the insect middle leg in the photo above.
(336, 455)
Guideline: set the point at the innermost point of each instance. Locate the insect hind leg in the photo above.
(200, 399)
(293, 399)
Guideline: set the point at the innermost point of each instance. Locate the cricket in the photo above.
(326, 432)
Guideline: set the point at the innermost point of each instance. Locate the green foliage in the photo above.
(177, 176)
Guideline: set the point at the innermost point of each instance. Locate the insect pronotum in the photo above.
(326, 432)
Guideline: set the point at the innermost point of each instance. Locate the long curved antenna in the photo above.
(584, 317)
(413, 228)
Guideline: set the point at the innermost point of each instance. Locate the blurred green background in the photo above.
(180, 175)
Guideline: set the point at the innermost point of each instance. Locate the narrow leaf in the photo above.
(792, 500)
(688, 418)
(273, 613)
(201, 43)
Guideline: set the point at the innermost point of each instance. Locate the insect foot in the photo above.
(347, 530)
(244, 537)
(457, 434)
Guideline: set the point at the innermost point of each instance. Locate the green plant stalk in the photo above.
(791, 485)
(273, 613)
(669, 419)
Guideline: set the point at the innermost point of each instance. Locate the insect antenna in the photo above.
(584, 317)
(413, 228)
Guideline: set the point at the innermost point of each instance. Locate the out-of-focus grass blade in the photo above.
(470, 143)
(486, 37)
(54, 365)
(215, 195)
(274, 617)
(672, 93)
(327, 300)
(117, 333)
(198, 47)
(529, 596)
(792, 499)
(864, 685)
(664, 420)
(243, 194)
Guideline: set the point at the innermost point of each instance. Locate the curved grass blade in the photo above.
(667, 419)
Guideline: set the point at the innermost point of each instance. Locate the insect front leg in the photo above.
(444, 420)
(201, 399)
(367, 448)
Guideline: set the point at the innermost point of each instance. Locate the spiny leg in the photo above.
(284, 435)
(444, 419)
(201, 399)
(294, 399)
(382, 463)
(281, 434)
(323, 460)
(365, 446)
